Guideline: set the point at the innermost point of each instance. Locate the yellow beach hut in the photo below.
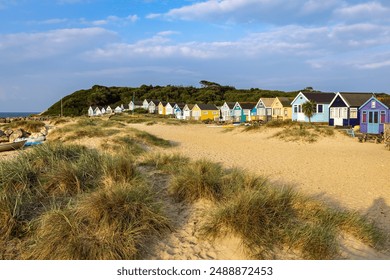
(161, 107)
(205, 112)
(281, 108)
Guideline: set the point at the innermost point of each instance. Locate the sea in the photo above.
(16, 114)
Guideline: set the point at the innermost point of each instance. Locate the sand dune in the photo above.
(337, 169)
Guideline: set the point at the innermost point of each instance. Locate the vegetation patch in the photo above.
(115, 222)
(303, 132)
(151, 139)
(70, 202)
(169, 163)
(272, 219)
(27, 125)
(199, 179)
(268, 217)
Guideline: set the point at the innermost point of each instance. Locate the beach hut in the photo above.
(321, 108)
(226, 111)
(161, 107)
(118, 110)
(178, 110)
(169, 108)
(264, 108)
(205, 112)
(97, 111)
(187, 111)
(344, 108)
(108, 110)
(281, 108)
(247, 109)
(145, 104)
(135, 105)
(237, 113)
(242, 111)
(90, 111)
(373, 115)
(102, 110)
(153, 106)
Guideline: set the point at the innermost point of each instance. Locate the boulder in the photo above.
(44, 131)
(3, 139)
(2, 133)
(8, 132)
(18, 133)
(25, 134)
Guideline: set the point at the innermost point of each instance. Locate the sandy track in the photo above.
(338, 169)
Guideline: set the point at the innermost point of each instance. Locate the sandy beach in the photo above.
(337, 169)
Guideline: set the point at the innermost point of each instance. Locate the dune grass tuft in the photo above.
(151, 139)
(27, 125)
(272, 219)
(199, 179)
(115, 222)
(304, 132)
(169, 163)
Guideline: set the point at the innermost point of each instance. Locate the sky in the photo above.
(51, 48)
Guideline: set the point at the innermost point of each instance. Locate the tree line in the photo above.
(77, 103)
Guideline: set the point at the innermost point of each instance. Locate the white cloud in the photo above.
(375, 65)
(113, 20)
(27, 46)
(272, 11)
(314, 6)
(370, 10)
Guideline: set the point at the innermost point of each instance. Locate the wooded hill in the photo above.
(77, 103)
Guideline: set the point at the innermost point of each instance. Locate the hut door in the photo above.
(373, 122)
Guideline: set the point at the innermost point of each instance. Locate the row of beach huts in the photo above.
(337, 109)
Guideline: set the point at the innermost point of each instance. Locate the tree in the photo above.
(308, 108)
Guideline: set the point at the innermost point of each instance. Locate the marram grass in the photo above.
(69, 202)
(115, 222)
(270, 218)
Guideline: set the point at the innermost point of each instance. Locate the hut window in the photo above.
(320, 108)
(353, 113)
(297, 108)
(383, 116)
(277, 112)
(373, 104)
(364, 115)
(332, 113)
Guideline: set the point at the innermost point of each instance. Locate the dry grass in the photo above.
(199, 179)
(169, 163)
(268, 217)
(271, 219)
(115, 222)
(27, 125)
(70, 202)
(304, 132)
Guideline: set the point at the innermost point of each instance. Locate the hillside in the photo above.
(77, 103)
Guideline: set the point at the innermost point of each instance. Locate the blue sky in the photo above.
(50, 48)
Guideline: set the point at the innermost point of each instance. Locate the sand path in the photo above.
(338, 169)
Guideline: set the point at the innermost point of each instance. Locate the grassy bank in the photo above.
(70, 202)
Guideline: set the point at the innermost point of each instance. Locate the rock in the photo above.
(44, 131)
(8, 132)
(25, 134)
(16, 134)
(2, 133)
(3, 139)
